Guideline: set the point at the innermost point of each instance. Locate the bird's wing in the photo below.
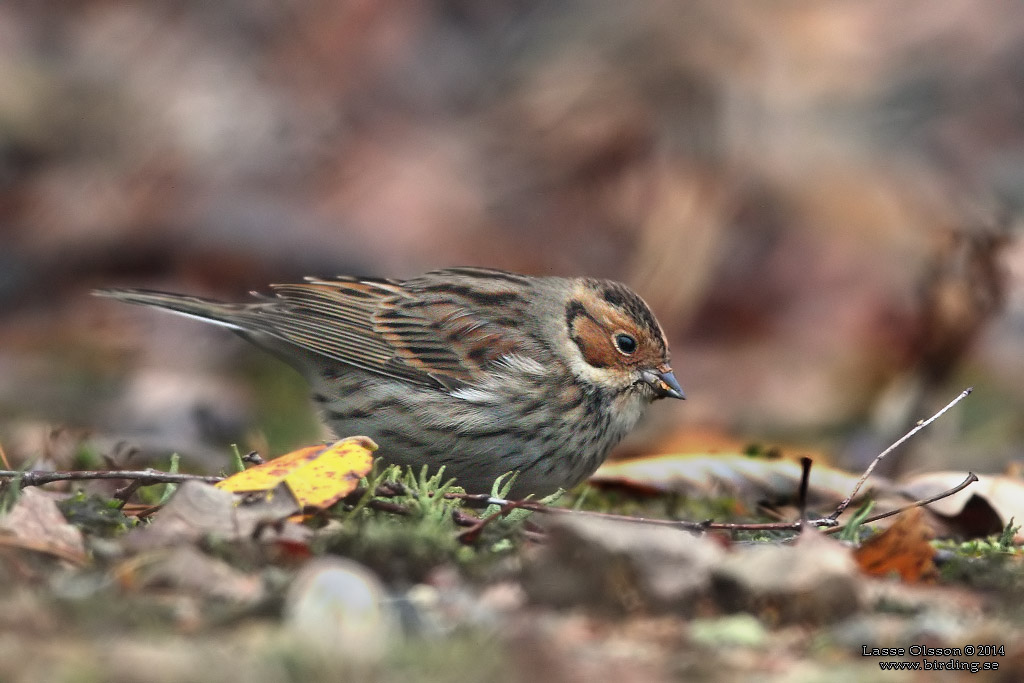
(441, 329)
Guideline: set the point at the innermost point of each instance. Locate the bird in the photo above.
(483, 371)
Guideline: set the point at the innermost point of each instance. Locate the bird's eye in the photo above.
(625, 343)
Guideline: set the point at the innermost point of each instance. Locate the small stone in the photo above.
(813, 580)
(739, 630)
(339, 608)
(620, 565)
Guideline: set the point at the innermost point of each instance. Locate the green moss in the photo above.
(994, 564)
(405, 546)
(96, 515)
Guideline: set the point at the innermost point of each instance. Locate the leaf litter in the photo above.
(378, 573)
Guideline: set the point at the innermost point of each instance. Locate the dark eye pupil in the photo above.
(625, 343)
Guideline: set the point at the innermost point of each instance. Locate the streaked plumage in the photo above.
(483, 371)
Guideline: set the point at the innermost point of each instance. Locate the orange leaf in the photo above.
(903, 549)
(318, 476)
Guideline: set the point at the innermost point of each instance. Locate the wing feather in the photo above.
(443, 330)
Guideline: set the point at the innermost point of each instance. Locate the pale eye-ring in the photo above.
(625, 343)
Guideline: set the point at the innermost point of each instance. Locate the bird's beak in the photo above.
(664, 382)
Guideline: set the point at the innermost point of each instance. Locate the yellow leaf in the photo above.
(318, 476)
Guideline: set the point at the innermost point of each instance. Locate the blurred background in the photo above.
(821, 201)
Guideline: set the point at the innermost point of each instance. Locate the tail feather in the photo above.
(207, 310)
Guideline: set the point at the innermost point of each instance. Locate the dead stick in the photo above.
(38, 478)
(483, 499)
(536, 506)
(472, 533)
(805, 480)
(971, 478)
(126, 492)
(878, 458)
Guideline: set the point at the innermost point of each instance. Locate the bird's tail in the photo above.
(197, 307)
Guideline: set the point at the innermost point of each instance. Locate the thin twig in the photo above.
(147, 477)
(125, 492)
(874, 463)
(38, 478)
(478, 499)
(464, 519)
(805, 480)
(472, 533)
(483, 500)
(971, 478)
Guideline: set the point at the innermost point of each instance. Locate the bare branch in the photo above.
(805, 480)
(483, 500)
(147, 477)
(874, 463)
(971, 478)
(475, 526)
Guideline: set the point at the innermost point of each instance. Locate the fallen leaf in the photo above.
(36, 523)
(318, 476)
(982, 509)
(901, 549)
(734, 472)
(200, 510)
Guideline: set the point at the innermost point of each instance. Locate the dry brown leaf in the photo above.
(983, 508)
(901, 549)
(703, 472)
(36, 523)
(200, 510)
